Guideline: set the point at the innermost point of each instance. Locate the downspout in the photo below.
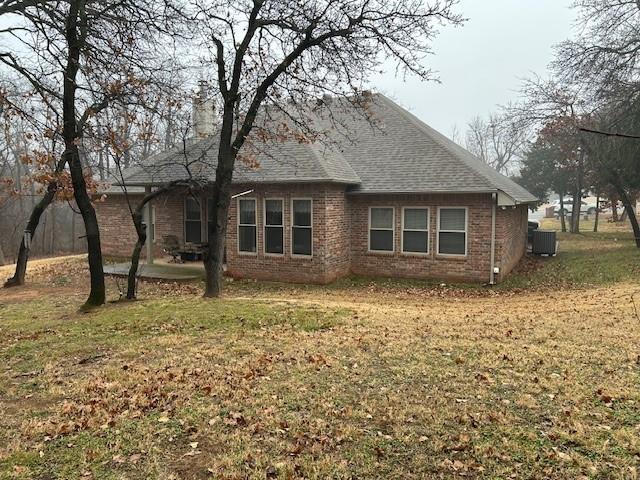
(149, 228)
(494, 201)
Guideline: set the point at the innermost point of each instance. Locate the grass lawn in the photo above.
(536, 378)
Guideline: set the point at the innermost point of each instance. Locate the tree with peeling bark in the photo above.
(286, 52)
(78, 56)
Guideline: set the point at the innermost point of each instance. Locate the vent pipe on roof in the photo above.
(203, 112)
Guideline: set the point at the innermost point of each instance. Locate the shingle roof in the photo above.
(391, 151)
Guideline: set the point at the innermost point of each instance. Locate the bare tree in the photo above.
(287, 52)
(497, 141)
(605, 53)
(78, 56)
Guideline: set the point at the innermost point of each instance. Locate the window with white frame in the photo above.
(192, 221)
(301, 226)
(273, 226)
(415, 230)
(452, 231)
(381, 235)
(247, 225)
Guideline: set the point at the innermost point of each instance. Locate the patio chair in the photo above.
(171, 246)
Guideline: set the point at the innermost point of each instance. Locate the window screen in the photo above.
(273, 226)
(301, 228)
(452, 231)
(192, 221)
(415, 233)
(247, 225)
(381, 229)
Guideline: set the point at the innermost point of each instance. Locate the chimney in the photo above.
(203, 111)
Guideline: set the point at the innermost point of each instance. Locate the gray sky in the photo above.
(481, 63)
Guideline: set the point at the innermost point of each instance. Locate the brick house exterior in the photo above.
(464, 221)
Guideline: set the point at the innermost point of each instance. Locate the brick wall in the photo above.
(511, 237)
(472, 267)
(117, 233)
(330, 258)
(340, 235)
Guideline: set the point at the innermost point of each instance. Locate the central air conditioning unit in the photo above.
(544, 242)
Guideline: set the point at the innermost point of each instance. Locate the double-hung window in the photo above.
(301, 226)
(452, 231)
(381, 220)
(415, 230)
(273, 226)
(192, 221)
(247, 225)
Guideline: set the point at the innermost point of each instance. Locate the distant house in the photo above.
(391, 197)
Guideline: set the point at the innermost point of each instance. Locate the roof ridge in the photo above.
(438, 138)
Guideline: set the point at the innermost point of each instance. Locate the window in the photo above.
(301, 227)
(247, 225)
(452, 231)
(415, 230)
(273, 226)
(381, 229)
(192, 221)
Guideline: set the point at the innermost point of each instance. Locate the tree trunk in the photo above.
(563, 221)
(52, 239)
(595, 223)
(633, 219)
(135, 256)
(2, 260)
(577, 195)
(614, 211)
(137, 216)
(71, 136)
(576, 207)
(214, 252)
(34, 219)
(629, 207)
(217, 227)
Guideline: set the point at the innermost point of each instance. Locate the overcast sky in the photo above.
(481, 63)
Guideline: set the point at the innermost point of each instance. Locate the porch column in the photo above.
(149, 224)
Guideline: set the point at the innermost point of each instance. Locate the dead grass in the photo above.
(360, 380)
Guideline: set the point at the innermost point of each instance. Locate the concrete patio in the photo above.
(161, 269)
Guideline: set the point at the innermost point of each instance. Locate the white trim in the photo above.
(293, 225)
(392, 229)
(264, 227)
(185, 220)
(466, 232)
(238, 224)
(428, 231)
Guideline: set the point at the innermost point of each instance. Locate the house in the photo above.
(390, 197)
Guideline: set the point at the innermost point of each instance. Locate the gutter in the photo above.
(492, 276)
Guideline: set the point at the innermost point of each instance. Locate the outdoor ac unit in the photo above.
(544, 242)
